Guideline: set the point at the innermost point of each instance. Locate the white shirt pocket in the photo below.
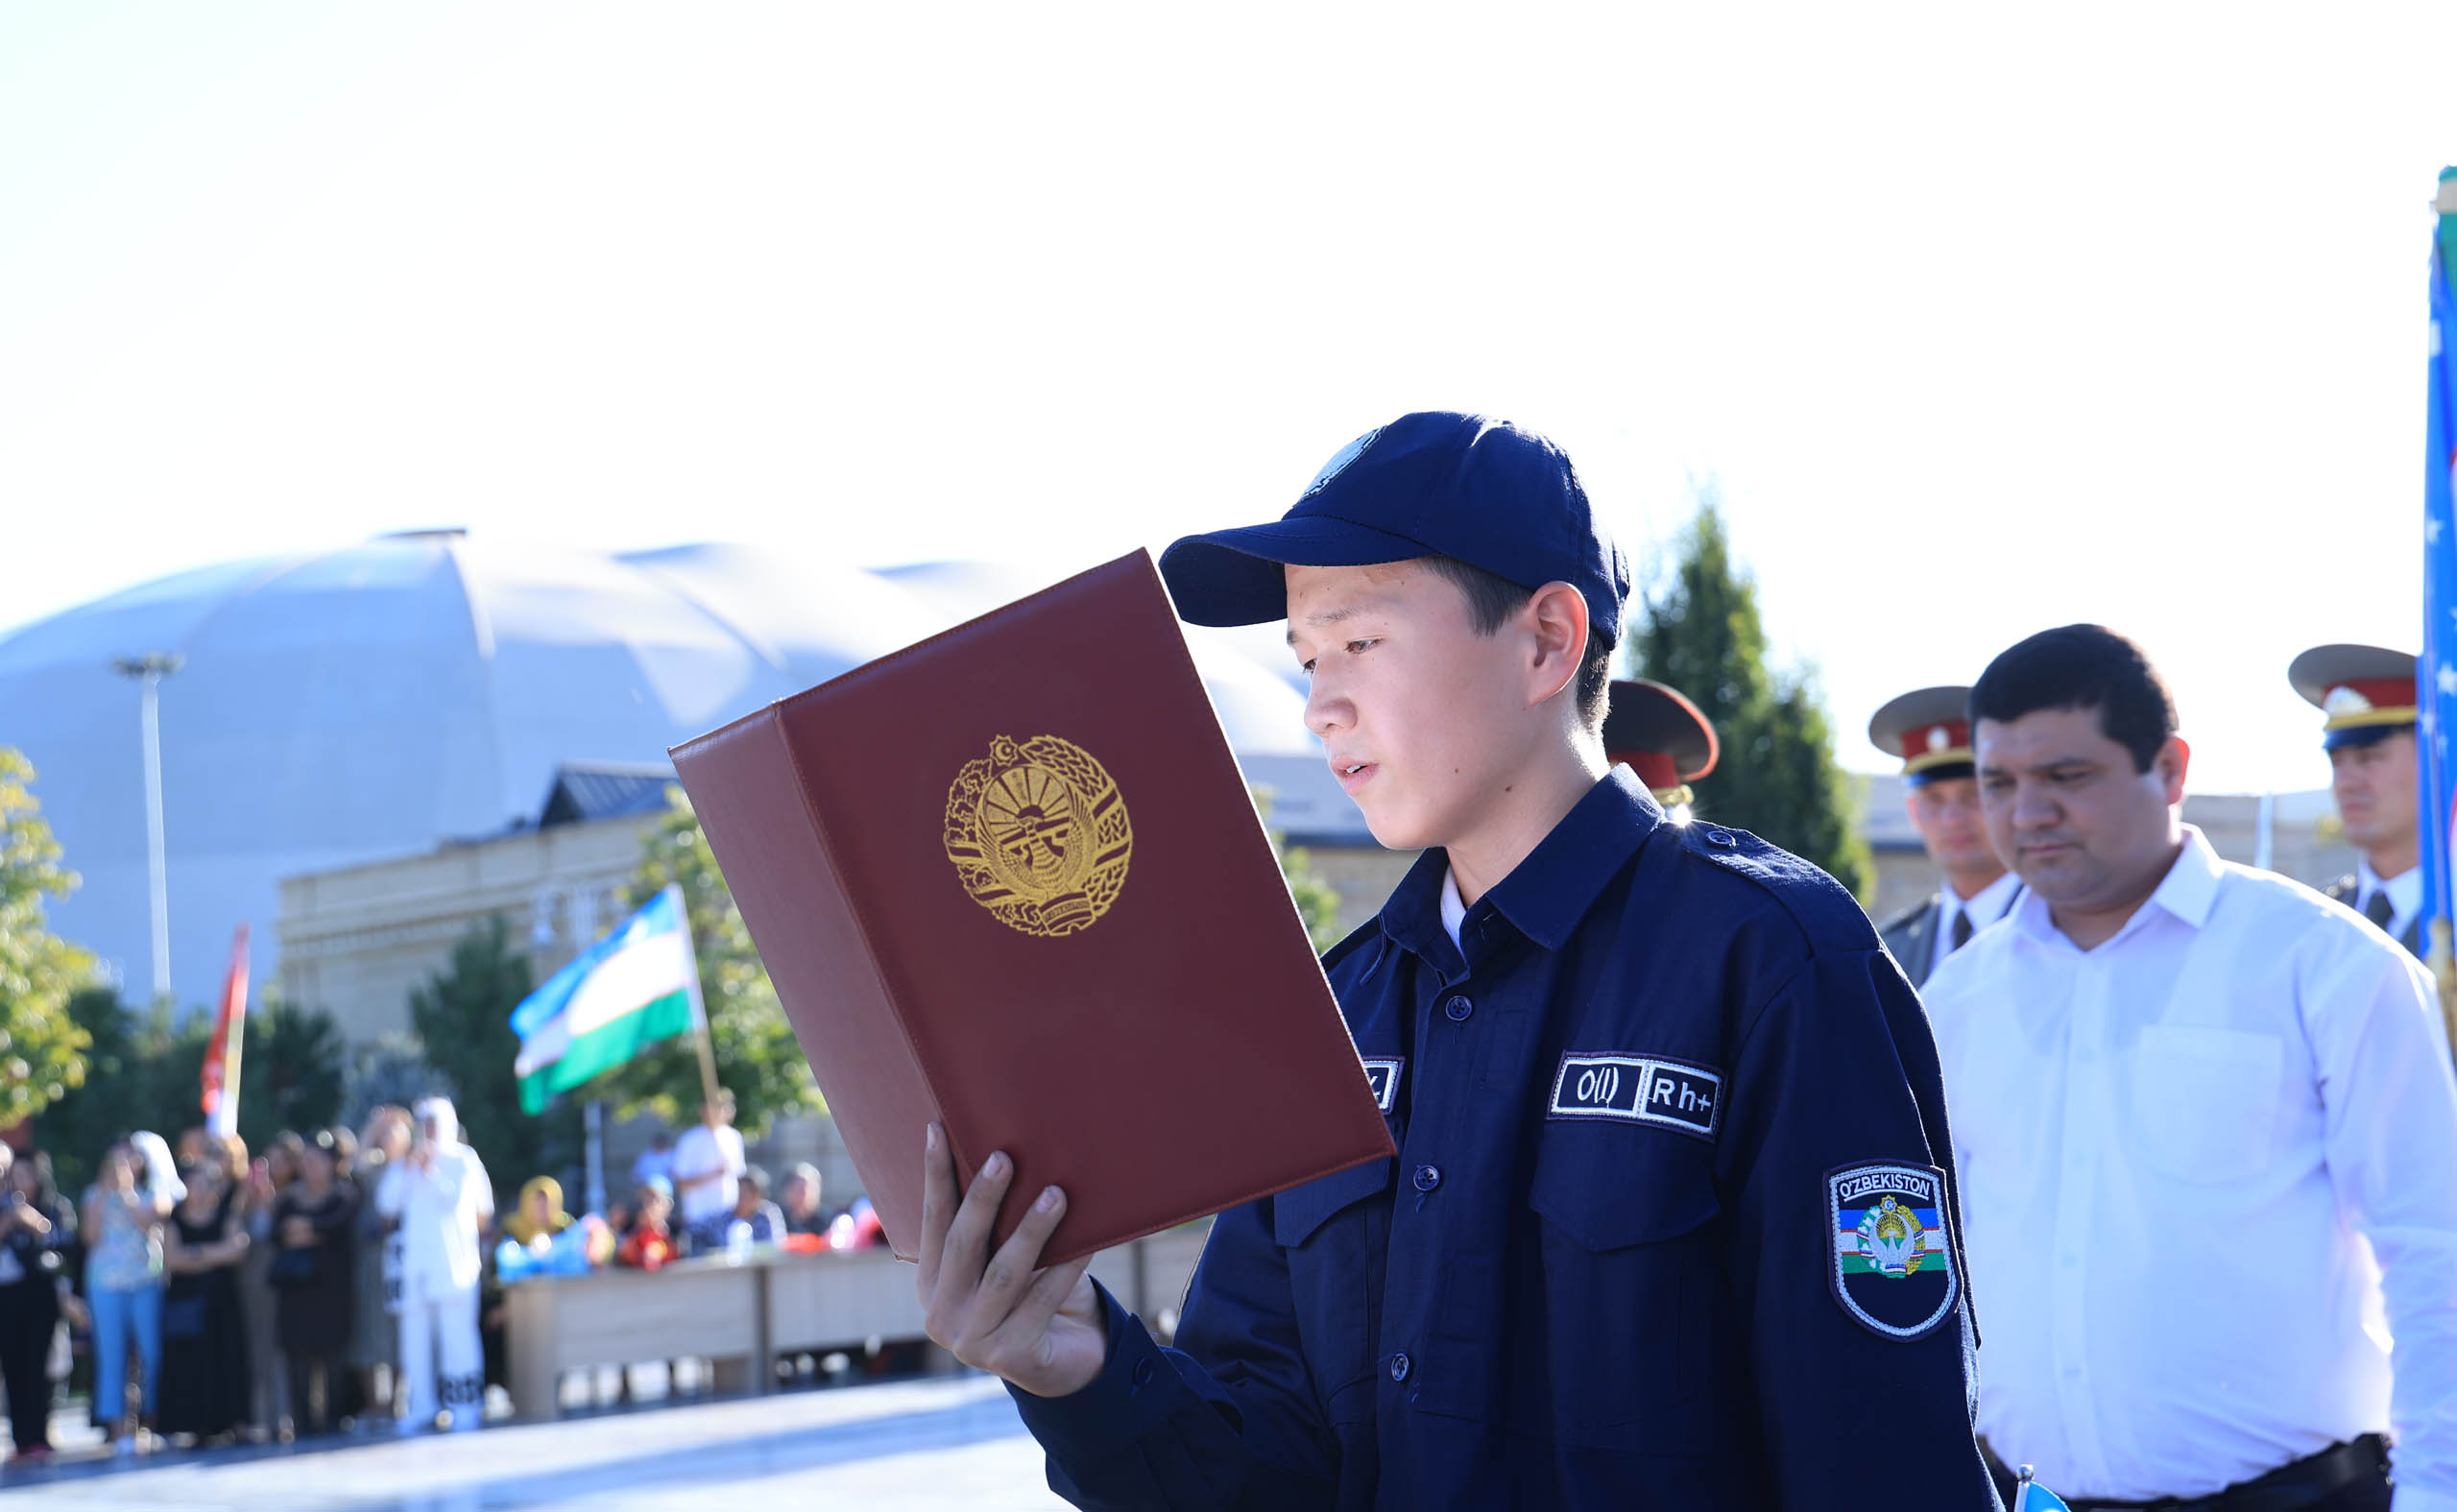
(2205, 1101)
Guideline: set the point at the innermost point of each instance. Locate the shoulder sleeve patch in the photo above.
(1892, 1270)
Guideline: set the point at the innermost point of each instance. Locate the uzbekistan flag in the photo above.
(637, 985)
(1898, 1248)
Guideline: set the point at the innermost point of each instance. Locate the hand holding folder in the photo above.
(1040, 1328)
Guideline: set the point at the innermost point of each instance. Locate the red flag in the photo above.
(220, 1100)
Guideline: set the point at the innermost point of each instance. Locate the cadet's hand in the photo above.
(1041, 1329)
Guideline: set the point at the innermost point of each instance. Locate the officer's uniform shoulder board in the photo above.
(1907, 917)
(2342, 890)
(1825, 910)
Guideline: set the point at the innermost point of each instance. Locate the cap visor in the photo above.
(2354, 735)
(1233, 577)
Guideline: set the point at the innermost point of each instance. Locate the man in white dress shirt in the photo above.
(2367, 696)
(2204, 1119)
(708, 1164)
(1929, 732)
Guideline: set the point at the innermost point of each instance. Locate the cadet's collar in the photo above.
(1412, 915)
(1549, 893)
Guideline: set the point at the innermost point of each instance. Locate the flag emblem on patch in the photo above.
(1894, 1259)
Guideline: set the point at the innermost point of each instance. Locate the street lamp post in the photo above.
(149, 670)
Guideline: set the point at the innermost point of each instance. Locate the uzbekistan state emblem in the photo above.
(1038, 834)
(1893, 1260)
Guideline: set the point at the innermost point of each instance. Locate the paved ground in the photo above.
(921, 1446)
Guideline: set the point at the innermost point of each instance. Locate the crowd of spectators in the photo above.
(208, 1296)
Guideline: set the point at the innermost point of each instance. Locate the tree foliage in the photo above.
(120, 1081)
(145, 1072)
(1318, 900)
(42, 1049)
(1699, 630)
(758, 1058)
(462, 1017)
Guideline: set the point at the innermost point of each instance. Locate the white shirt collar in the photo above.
(2187, 892)
(1453, 909)
(2404, 890)
(1986, 905)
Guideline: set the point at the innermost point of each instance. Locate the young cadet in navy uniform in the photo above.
(2368, 695)
(1658, 733)
(1929, 732)
(1672, 1224)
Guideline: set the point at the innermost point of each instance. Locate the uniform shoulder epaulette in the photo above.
(1351, 945)
(1822, 907)
(1904, 918)
(2341, 890)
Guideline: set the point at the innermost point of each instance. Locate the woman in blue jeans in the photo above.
(122, 1224)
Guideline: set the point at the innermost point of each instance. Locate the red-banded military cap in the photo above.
(1660, 735)
(2367, 693)
(1929, 732)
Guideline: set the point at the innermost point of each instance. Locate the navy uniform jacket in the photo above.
(2348, 890)
(1910, 938)
(1673, 1081)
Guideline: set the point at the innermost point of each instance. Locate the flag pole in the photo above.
(699, 1006)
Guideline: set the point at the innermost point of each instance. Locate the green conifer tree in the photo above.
(1699, 630)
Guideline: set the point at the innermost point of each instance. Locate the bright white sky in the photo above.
(1983, 325)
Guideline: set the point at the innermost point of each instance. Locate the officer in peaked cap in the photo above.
(1659, 735)
(2367, 695)
(1929, 732)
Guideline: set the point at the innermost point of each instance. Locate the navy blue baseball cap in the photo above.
(1433, 484)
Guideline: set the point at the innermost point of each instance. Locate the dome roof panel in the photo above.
(376, 700)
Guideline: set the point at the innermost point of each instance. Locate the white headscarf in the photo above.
(162, 1172)
(440, 1111)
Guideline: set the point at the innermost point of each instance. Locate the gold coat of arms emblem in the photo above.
(1039, 835)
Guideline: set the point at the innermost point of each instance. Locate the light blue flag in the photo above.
(2035, 1497)
(2436, 675)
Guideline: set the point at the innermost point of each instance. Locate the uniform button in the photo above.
(1458, 1008)
(1428, 1177)
(1142, 1373)
(1720, 837)
(1399, 1366)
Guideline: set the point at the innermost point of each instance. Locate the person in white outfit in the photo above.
(440, 1193)
(2204, 1118)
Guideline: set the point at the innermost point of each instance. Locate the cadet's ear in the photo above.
(1556, 619)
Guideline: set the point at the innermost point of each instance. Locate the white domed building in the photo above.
(377, 701)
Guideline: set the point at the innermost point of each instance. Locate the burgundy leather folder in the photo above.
(1009, 879)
